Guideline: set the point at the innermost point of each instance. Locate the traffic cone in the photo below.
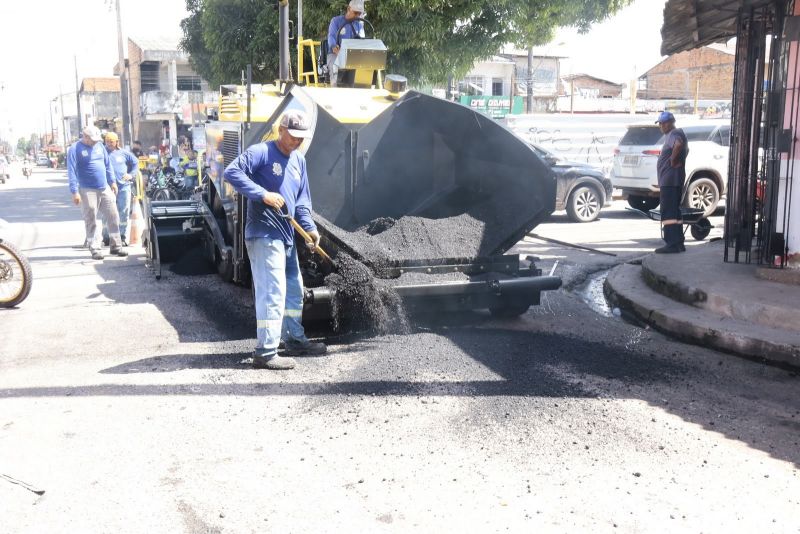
(135, 220)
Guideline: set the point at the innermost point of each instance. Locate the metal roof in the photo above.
(692, 23)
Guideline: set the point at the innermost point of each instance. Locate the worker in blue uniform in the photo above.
(125, 166)
(345, 26)
(272, 175)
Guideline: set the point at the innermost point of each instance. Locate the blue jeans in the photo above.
(124, 210)
(278, 293)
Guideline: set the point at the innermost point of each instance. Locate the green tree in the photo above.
(22, 146)
(428, 40)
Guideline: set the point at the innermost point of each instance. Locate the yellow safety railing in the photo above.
(309, 77)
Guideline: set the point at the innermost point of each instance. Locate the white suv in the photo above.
(634, 169)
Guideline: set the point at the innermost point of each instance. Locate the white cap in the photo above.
(92, 132)
(357, 5)
(296, 121)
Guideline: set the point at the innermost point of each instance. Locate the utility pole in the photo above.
(78, 97)
(696, 95)
(63, 122)
(283, 24)
(530, 80)
(123, 84)
(50, 109)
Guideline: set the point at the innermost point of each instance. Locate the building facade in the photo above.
(704, 73)
(166, 95)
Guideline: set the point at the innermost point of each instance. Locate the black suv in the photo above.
(581, 189)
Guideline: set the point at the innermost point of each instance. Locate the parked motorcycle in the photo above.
(16, 276)
(167, 184)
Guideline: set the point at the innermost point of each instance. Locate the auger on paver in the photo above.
(406, 183)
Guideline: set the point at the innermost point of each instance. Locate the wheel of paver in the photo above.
(700, 229)
(643, 203)
(584, 204)
(16, 276)
(507, 312)
(702, 194)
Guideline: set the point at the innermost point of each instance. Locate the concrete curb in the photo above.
(626, 289)
(729, 290)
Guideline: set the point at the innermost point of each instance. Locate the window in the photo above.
(723, 136)
(642, 135)
(189, 83)
(698, 133)
(149, 76)
(472, 85)
(497, 87)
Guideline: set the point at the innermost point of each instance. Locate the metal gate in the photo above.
(762, 152)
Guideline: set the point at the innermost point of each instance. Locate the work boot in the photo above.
(673, 235)
(303, 348)
(272, 361)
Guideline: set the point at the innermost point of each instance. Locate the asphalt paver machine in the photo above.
(426, 193)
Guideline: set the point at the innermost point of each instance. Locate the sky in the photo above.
(41, 38)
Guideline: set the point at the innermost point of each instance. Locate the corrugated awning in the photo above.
(692, 23)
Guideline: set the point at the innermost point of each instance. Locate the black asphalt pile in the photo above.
(488, 227)
(362, 302)
(380, 225)
(414, 238)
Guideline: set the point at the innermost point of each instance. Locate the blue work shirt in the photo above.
(340, 28)
(88, 167)
(261, 168)
(123, 162)
(667, 174)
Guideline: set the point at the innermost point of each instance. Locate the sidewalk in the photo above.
(697, 297)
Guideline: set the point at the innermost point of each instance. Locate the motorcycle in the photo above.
(16, 276)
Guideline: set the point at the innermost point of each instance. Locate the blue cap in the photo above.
(665, 116)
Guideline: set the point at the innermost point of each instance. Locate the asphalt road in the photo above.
(129, 403)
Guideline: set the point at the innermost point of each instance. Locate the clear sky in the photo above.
(40, 38)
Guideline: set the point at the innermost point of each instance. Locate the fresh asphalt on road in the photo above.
(128, 402)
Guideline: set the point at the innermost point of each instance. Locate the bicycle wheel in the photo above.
(16, 276)
(164, 194)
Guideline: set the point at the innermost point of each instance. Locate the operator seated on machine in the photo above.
(345, 26)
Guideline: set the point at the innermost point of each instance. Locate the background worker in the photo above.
(190, 171)
(671, 175)
(125, 166)
(93, 186)
(343, 27)
(272, 175)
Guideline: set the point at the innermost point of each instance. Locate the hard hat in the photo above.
(111, 136)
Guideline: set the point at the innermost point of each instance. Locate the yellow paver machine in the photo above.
(427, 194)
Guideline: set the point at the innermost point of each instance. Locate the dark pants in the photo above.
(670, 196)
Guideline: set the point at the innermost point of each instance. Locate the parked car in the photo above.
(634, 167)
(43, 161)
(582, 189)
(5, 170)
